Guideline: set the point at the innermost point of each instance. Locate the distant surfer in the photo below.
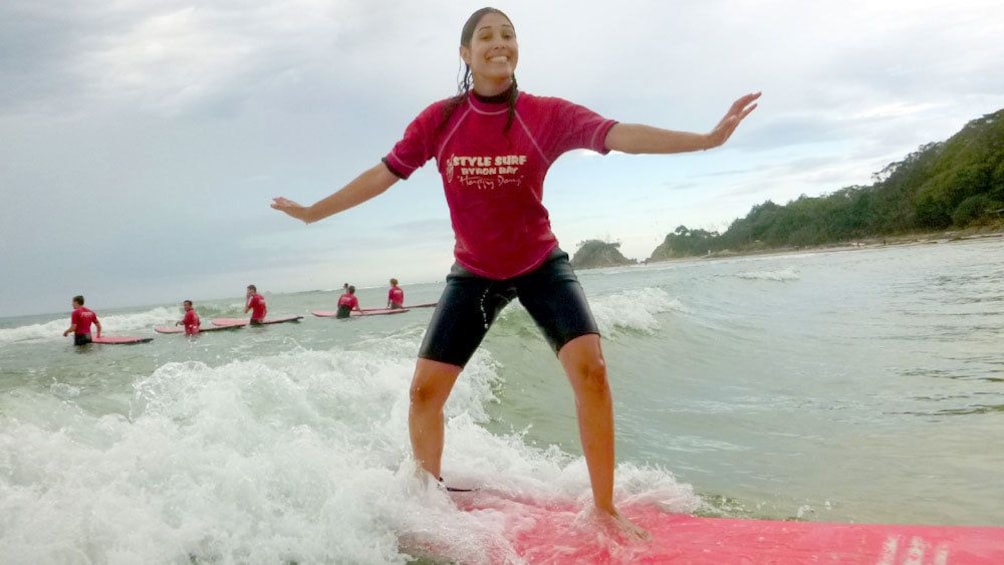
(80, 322)
(347, 303)
(493, 145)
(395, 296)
(191, 320)
(256, 305)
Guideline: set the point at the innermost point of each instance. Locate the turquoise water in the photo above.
(863, 386)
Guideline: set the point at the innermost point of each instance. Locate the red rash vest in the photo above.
(349, 300)
(395, 296)
(82, 318)
(191, 322)
(493, 179)
(257, 304)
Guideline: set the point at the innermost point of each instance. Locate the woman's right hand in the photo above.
(291, 208)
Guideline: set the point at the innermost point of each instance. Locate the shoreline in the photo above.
(876, 242)
(919, 238)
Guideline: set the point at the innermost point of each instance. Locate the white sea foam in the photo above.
(300, 456)
(780, 275)
(121, 323)
(112, 324)
(632, 310)
(48, 330)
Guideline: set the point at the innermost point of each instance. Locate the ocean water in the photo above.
(859, 386)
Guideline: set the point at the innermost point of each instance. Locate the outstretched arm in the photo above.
(637, 138)
(367, 185)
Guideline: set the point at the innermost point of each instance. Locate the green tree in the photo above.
(974, 209)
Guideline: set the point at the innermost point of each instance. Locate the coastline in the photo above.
(918, 238)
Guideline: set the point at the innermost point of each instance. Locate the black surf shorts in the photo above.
(81, 339)
(551, 293)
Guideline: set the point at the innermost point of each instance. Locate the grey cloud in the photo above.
(158, 132)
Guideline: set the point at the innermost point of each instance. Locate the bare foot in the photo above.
(619, 524)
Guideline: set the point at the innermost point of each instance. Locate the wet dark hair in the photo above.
(352, 289)
(188, 302)
(252, 287)
(79, 299)
(466, 81)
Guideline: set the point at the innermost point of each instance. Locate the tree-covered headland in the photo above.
(953, 184)
(594, 253)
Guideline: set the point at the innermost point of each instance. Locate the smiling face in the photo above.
(491, 54)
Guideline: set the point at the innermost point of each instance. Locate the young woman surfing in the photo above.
(493, 145)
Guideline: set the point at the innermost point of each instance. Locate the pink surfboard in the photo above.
(324, 313)
(116, 339)
(379, 312)
(424, 305)
(355, 314)
(539, 532)
(203, 329)
(243, 322)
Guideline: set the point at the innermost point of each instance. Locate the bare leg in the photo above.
(582, 359)
(430, 387)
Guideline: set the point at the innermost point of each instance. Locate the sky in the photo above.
(141, 143)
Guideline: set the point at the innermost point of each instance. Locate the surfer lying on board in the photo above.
(256, 305)
(493, 145)
(395, 296)
(191, 320)
(347, 303)
(80, 322)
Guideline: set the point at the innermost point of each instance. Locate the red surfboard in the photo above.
(243, 322)
(424, 305)
(524, 530)
(116, 339)
(203, 329)
(355, 313)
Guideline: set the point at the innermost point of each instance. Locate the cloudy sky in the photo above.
(142, 142)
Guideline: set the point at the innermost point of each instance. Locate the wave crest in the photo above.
(110, 324)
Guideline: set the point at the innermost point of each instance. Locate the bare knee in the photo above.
(425, 393)
(432, 383)
(583, 361)
(592, 376)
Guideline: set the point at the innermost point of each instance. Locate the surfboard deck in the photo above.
(324, 313)
(379, 311)
(540, 532)
(356, 314)
(424, 305)
(230, 322)
(120, 339)
(203, 329)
